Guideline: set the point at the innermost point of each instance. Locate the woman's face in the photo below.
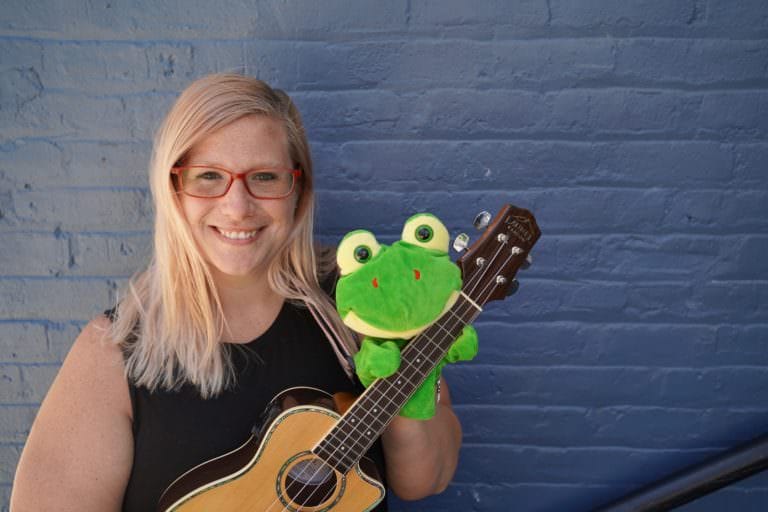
(238, 234)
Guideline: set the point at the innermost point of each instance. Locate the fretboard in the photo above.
(366, 420)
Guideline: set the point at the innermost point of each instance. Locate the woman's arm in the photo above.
(422, 455)
(79, 451)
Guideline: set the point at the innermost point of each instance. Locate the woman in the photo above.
(214, 327)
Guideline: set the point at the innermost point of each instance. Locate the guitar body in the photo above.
(275, 470)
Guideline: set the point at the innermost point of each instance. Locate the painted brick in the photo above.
(5, 497)
(646, 257)
(435, 13)
(610, 386)
(496, 495)
(638, 344)
(638, 427)
(36, 342)
(97, 255)
(739, 115)
(20, 55)
(561, 210)
(236, 19)
(691, 61)
(567, 465)
(219, 57)
(116, 67)
(81, 209)
(9, 457)
(750, 164)
(734, 301)
(29, 111)
(104, 164)
(491, 497)
(34, 163)
(604, 13)
(25, 342)
(751, 14)
(414, 65)
(675, 163)
(61, 336)
(26, 384)
(52, 299)
(468, 165)
(31, 254)
(574, 112)
(15, 423)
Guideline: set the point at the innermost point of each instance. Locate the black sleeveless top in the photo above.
(176, 430)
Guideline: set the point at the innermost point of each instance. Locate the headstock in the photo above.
(490, 264)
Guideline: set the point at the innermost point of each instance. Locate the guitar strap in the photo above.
(339, 347)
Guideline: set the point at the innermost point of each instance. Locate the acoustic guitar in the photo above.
(305, 455)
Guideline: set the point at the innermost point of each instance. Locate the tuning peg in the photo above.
(513, 287)
(482, 220)
(527, 263)
(461, 242)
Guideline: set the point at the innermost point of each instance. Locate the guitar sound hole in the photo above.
(310, 482)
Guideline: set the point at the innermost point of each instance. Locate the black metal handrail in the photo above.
(696, 481)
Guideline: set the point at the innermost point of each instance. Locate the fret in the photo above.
(366, 420)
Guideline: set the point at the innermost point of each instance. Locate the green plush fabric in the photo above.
(399, 301)
(391, 293)
(378, 359)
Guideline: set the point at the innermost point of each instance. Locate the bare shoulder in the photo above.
(80, 448)
(96, 360)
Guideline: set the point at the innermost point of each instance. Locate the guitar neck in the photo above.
(488, 270)
(366, 420)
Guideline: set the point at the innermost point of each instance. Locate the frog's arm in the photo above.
(379, 358)
(465, 346)
(422, 404)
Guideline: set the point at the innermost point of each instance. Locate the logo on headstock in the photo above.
(520, 227)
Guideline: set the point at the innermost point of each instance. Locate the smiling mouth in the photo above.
(238, 234)
(357, 324)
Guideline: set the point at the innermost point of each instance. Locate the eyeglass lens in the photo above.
(211, 182)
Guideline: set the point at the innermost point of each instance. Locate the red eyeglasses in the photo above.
(209, 181)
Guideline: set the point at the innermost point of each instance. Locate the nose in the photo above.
(237, 202)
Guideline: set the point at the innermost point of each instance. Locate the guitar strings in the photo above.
(434, 348)
(472, 285)
(475, 278)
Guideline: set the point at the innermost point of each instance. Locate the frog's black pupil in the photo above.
(362, 253)
(424, 233)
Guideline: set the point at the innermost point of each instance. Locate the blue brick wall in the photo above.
(636, 131)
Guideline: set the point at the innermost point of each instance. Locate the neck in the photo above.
(249, 305)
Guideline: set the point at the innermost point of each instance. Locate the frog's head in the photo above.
(396, 291)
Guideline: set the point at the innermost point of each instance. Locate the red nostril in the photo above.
(375, 283)
(417, 274)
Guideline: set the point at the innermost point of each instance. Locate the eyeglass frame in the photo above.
(176, 171)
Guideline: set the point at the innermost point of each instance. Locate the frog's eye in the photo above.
(426, 230)
(355, 250)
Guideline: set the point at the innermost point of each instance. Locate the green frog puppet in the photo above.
(392, 293)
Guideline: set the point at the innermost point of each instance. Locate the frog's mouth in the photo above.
(357, 324)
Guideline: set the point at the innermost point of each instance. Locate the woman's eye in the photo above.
(209, 175)
(263, 176)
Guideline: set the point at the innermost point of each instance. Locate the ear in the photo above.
(426, 230)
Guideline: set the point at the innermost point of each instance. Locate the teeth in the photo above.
(239, 235)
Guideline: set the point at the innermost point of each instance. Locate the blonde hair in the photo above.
(170, 321)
